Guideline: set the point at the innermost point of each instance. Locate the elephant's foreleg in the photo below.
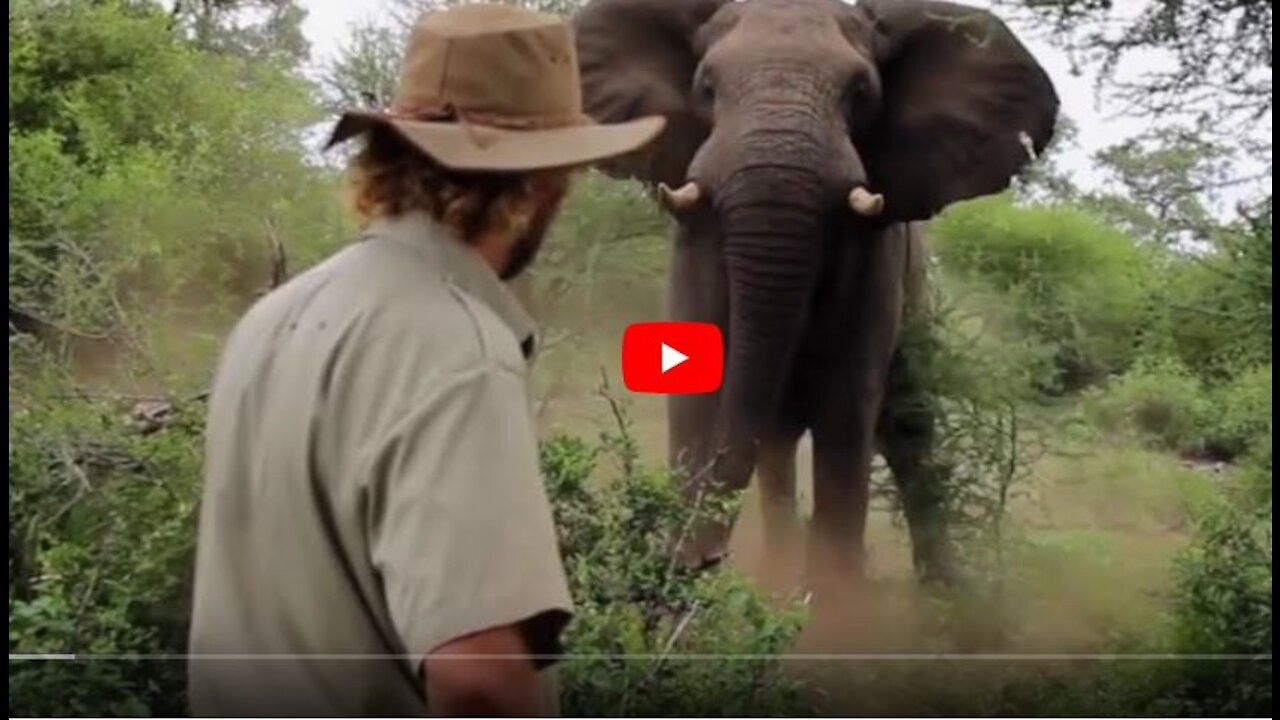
(848, 363)
(841, 497)
(907, 431)
(697, 292)
(776, 469)
(780, 559)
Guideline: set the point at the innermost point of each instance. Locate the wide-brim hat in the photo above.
(496, 88)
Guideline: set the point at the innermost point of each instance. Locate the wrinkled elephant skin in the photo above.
(806, 143)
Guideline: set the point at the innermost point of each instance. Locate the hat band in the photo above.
(448, 112)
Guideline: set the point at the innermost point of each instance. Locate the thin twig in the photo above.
(683, 536)
(694, 515)
(620, 418)
(279, 260)
(55, 325)
(662, 658)
(85, 486)
(85, 599)
(554, 339)
(131, 337)
(80, 394)
(111, 397)
(675, 634)
(76, 471)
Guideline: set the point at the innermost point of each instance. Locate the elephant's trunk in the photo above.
(772, 215)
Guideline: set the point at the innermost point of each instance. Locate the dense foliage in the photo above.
(1073, 282)
(100, 545)
(141, 165)
(645, 619)
(163, 174)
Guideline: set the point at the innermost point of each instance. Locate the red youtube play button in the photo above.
(672, 357)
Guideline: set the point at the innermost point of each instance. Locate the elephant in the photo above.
(806, 145)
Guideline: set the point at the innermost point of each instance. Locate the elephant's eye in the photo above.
(860, 89)
(705, 88)
(861, 102)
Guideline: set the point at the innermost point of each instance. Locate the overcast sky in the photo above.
(329, 21)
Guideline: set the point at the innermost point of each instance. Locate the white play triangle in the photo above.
(671, 357)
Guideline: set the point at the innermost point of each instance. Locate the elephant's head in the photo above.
(789, 118)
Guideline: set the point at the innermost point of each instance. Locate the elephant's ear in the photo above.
(966, 106)
(638, 58)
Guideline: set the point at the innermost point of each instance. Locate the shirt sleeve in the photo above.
(461, 527)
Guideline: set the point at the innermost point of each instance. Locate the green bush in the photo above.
(1169, 407)
(1187, 324)
(1213, 311)
(1256, 480)
(1223, 603)
(101, 520)
(1223, 607)
(1073, 283)
(1159, 400)
(1241, 413)
(645, 625)
(143, 166)
(981, 389)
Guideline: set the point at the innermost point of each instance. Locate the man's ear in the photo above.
(966, 106)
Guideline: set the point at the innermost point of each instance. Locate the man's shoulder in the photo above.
(380, 294)
(419, 301)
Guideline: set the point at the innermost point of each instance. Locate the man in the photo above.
(374, 536)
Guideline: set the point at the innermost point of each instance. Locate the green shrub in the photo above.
(980, 389)
(1073, 282)
(1169, 407)
(1241, 413)
(1159, 400)
(144, 167)
(1223, 607)
(1188, 321)
(1223, 603)
(1214, 309)
(101, 521)
(1256, 478)
(645, 624)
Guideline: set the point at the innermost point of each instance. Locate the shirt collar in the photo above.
(461, 266)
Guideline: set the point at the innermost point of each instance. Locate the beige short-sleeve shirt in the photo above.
(372, 487)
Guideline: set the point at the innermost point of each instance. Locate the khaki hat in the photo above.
(496, 88)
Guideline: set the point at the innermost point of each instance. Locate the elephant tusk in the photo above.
(866, 203)
(1028, 146)
(684, 198)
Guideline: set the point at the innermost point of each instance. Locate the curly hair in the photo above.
(389, 177)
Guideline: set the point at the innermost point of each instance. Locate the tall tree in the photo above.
(263, 29)
(365, 72)
(1164, 184)
(1200, 71)
(1218, 53)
